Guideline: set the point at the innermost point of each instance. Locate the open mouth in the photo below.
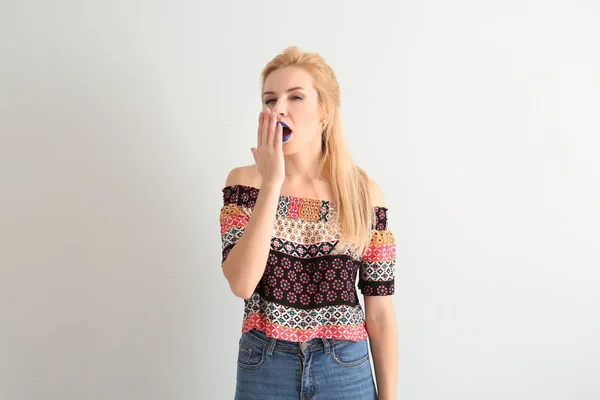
(287, 132)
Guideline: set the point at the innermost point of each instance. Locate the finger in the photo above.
(272, 128)
(278, 140)
(261, 128)
(265, 127)
(258, 136)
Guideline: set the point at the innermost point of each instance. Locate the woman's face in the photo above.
(290, 93)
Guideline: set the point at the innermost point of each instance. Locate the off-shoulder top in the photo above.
(308, 288)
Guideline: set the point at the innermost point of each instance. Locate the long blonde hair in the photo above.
(349, 182)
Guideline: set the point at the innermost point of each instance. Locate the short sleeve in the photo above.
(238, 203)
(377, 269)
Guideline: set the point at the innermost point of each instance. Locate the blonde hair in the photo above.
(350, 183)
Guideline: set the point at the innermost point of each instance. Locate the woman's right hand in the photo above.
(268, 154)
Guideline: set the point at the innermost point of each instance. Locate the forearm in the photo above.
(383, 338)
(246, 262)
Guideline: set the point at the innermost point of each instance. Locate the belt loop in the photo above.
(271, 346)
(326, 345)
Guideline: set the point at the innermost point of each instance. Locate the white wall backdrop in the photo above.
(119, 121)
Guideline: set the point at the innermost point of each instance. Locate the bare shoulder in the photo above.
(246, 175)
(376, 194)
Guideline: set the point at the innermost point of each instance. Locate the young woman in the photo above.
(297, 229)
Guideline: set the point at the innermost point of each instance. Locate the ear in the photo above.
(323, 113)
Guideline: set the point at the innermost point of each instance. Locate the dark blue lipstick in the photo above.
(287, 132)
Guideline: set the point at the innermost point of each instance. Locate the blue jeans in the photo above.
(320, 369)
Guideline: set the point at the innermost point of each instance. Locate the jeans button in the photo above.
(303, 346)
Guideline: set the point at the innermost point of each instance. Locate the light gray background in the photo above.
(119, 121)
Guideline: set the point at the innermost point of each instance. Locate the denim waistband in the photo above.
(315, 344)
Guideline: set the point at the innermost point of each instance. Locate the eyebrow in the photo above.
(289, 90)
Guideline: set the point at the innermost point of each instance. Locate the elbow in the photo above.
(241, 292)
(236, 287)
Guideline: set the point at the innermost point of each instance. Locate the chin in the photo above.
(288, 147)
(287, 151)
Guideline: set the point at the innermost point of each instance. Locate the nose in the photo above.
(280, 108)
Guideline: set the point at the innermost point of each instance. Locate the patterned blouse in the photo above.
(308, 289)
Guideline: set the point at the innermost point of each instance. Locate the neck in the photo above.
(304, 165)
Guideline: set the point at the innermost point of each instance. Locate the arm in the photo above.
(379, 309)
(383, 339)
(245, 263)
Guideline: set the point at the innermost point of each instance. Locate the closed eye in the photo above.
(295, 97)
